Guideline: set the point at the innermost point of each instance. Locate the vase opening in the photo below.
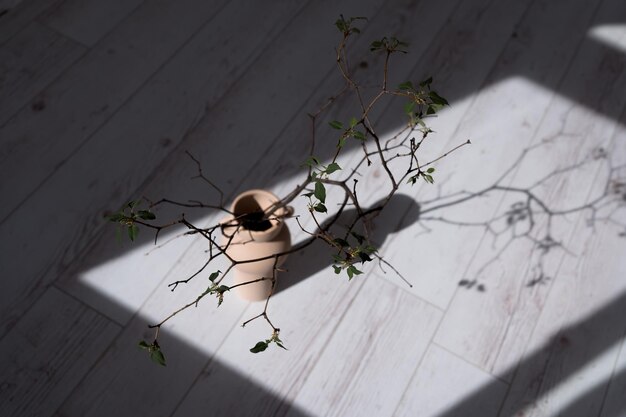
(251, 214)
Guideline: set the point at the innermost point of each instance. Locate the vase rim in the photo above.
(271, 198)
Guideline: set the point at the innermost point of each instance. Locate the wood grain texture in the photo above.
(348, 378)
(18, 14)
(88, 21)
(156, 390)
(511, 300)
(48, 352)
(458, 63)
(573, 350)
(318, 302)
(266, 95)
(614, 404)
(29, 62)
(519, 75)
(35, 144)
(154, 127)
(442, 380)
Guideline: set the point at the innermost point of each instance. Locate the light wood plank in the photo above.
(29, 62)
(507, 135)
(35, 144)
(437, 276)
(263, 101)
(319, 302)
(577, 340)
(188, 342)
(156, 120)
(576, 345)
(443, 380)
(509, 305)
(236, 350)
(48, 352)
(365, 368)
(88, 21)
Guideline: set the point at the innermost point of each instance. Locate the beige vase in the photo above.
(249, 237)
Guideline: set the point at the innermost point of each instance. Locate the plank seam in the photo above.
(114, 113)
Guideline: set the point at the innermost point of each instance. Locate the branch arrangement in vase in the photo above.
(253, 237)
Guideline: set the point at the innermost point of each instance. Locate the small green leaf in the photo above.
(428, 178)
(311, 161)
(144, 345)
(437, 99)
(320, 191)
(332, 167)
(364, 257)
(157, 356)
(209, 290)
(358, 135)
(369, 249)
(277, 340)
(338, 258)
(320, 208)
(337, 269)
(133, 204)
(341, 25)
(213, 276)
(407, 85)
(341, 242)
(133, 231)
(375, 45)
(115, 217)
(426, 82)
(222, 289)
(409, 108)
(146, 215)
(352, 270)
(430, 170)
(434, 108)
(335, 124)
(259, 347)
(353, 122)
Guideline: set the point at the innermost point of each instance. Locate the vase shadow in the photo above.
(401, 212)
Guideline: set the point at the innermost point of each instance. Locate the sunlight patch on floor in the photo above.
(613, 35)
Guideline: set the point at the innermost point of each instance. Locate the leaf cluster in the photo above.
(214, 289)
(426, 176)
(349, 131)
(128, 216)
(319, 172)
(389, 45)
(264, 344)
(154, 350)
(353, 250)
(346, 27)
(422, 102)
(349, 254)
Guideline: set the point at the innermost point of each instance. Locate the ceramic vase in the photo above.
(247, 235)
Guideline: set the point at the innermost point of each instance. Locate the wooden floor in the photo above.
(517, 253)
